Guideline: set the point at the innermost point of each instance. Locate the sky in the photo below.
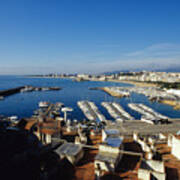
(88, 36)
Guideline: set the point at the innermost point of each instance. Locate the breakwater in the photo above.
(113, 91)
(23, 89)
(11, 91)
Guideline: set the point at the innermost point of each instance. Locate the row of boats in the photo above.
(148, 114)
(153, 93)
(91, 112)
(116, 111)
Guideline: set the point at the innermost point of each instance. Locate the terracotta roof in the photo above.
(49, 131)
(29, 124)
(177, 136)
(85, 168)
(172, 164)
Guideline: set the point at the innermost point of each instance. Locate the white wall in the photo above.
(159, 176)
(105, 148)
(143, 174)
(157, 166)
(176, 147)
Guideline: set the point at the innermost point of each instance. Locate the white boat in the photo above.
(59, 104)
(66, 109)
(43, 104)
(14, 119)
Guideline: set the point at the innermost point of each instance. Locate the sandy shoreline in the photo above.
(139, 84)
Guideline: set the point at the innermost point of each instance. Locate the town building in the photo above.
(72, 152)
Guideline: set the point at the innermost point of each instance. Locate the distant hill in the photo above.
(169, 69)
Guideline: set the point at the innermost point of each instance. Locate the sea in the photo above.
(24, 104)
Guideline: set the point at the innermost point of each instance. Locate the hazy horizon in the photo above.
(92, 36)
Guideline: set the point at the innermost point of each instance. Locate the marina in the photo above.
(156, 94)
(102, 149)
(93, 142)
(90, 90)
(69, 95)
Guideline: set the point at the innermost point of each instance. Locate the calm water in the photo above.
(23, 104)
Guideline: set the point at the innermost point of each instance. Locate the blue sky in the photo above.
(43, 36)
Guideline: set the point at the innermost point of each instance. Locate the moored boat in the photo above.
(43, 104)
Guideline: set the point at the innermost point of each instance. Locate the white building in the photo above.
(151, 169)
(174, 92)
(72, 152)
(109, 155)
(174, 143)
(109, 132)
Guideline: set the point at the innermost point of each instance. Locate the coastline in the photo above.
(174, 104)
(78, 85)
(139, 84)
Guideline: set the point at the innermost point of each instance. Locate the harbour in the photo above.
(103, 147)
(69, 95)
(99, 130)
(90, 90)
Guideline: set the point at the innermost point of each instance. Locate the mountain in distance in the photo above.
(168, 69)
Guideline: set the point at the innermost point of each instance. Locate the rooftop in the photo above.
(112, 131)
(69, 149)
(152, 165)
(107, 157)
(114, 141)
(172, 164)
